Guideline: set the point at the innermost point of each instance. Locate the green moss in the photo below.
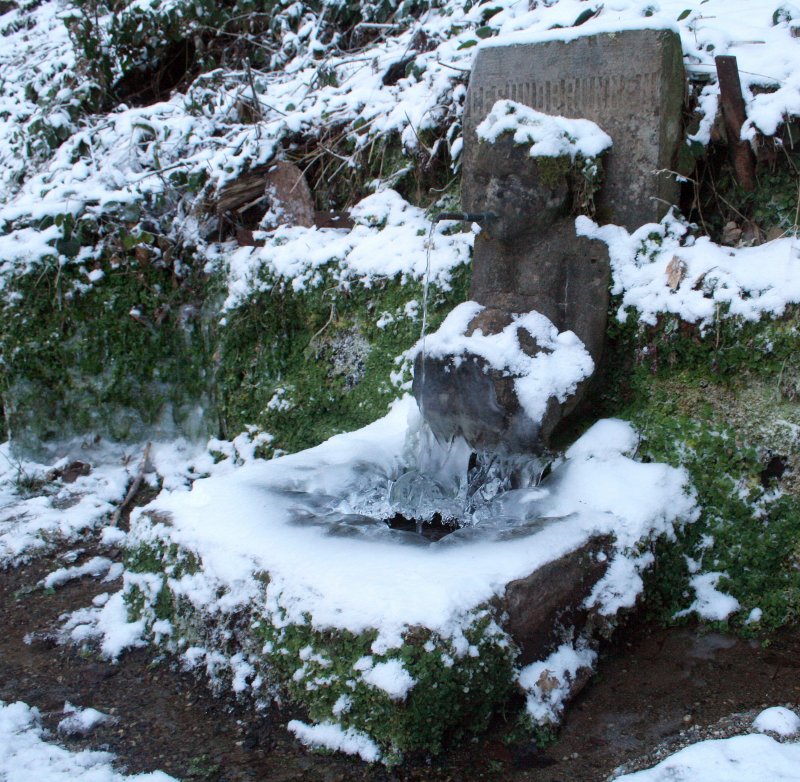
(454, 695)
(120, 357)
(284, 353)
(552, 170)
(720, 405)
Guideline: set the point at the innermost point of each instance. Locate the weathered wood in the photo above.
(734, 116)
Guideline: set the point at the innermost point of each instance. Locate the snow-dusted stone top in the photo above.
(555, 371)
(548, 136)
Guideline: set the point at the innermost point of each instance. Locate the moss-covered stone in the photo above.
(458, 684)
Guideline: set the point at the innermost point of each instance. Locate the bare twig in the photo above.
(135, 486)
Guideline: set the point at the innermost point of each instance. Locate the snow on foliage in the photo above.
(334, 737)
(390, 237)
(710, 603)
(391, 677)
(139, 162)
(663, 268)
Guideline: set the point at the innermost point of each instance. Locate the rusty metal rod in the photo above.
(466, 217)
(734, 115)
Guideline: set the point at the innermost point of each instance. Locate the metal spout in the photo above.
(466, 217)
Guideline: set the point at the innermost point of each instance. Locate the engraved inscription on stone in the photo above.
(630, 83)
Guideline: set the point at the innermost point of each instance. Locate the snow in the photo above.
(391, 677)
(327, 735)
(710, 603)
(548, 683)
(81, 722)
(107, 622)
(26, 757)
(243, 520)
(31, 520)
(390, 237)
(548, 136)
(779, 720)
(251, 518)
(134, 152)
(716, 281)
(555, 371)
(97, 566)
(752, 758)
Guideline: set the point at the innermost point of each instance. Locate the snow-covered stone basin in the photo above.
(288, 544)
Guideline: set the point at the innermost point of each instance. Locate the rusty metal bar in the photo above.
(734, 115)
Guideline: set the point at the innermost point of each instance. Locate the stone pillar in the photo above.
(528, 257)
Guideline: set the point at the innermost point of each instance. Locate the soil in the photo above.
(656, 690)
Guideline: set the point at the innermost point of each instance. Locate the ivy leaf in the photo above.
(587, 15)
(485, 32)
(468, 44)
(684, 14)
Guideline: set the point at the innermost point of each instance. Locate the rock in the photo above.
(527, 256)
(631, 83)
(289, 195)
(267, 196)
(551, 599)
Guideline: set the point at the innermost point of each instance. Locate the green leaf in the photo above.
(68, 247)
(485, 32)
(468, 44)
(586, 16)
(684, 14)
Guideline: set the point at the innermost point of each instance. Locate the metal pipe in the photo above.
(466, 217)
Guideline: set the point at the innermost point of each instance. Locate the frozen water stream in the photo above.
(436, 489)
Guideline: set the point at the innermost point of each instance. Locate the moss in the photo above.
(552, 170)
(455, 694)
(127, 354)
(721, 405)
(282, 354)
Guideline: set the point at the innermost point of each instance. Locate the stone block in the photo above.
(631, 83)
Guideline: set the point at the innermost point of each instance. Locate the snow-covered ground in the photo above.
(752, 758)
(28, 754)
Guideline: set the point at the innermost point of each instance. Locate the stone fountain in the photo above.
(527, 256)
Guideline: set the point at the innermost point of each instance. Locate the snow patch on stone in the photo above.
(547, 135)
(549, 683)
(562, 363)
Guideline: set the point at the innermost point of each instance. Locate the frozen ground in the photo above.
(653, 696)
